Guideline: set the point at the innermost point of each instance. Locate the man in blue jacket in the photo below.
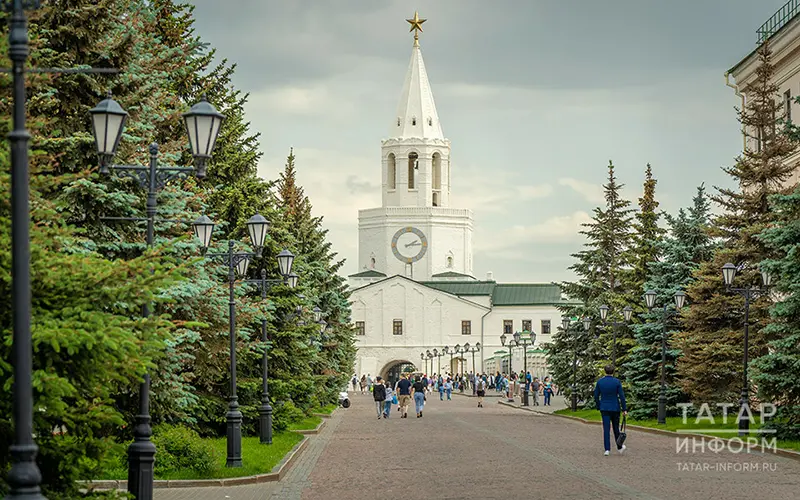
(610, 399)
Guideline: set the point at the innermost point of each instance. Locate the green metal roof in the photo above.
(511, 294)
(526, 294)
(451, 274)
(368, 274)
(462, 287)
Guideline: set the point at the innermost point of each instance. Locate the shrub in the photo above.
(285, 414)
(181, 448)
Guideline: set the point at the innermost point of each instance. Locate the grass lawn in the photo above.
(327, 409)
(307, 424)
(257, 458)
(676, 423)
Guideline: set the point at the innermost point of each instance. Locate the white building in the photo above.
(782, 32)
(416, 291)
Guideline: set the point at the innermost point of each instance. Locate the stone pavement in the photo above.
(459, 451)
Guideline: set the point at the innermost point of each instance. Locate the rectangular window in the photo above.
(545, 327)
(360, 328)
(397, 327)
(787, 103)
(508, 326)
(466, 328)
(527, 325)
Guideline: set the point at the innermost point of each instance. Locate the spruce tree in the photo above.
(602, 267)
(681, 252)
(710, 367)
(777, 372)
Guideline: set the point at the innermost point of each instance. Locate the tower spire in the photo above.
(416, 112)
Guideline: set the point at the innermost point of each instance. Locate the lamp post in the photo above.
(455, 350)
(524, 341)
(438, 361)
(446, 350)
(202, 123)
(565, 324)
(511, 345)
(473, 350)
(627, 311)
(425, 361)
(728, 273)
(24, 477)
(650, 301)
(237, 262)
(285, 260)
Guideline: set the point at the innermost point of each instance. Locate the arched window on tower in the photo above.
(414, 121)
(437, 179)
(372, 263)
(391, 171)
(413, 164)
(449, 262)
(430, 121)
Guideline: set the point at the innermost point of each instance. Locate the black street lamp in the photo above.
(24, 477)
(728, 273)
(108, 124)
(650, 301)
(525, 340)
(627, 311)
(565, 323)
(438, 361)
(429, 355)
(237, 262)
(425, 361)
(511, 345)
(285, 260)
(446, 350)
(473, 350)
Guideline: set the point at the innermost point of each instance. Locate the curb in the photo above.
(276, 474)
(316, 430)
(326, 415)
(705, 437)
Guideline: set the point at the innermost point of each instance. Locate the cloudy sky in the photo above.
(536, 97)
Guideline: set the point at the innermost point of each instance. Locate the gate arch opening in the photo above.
(392, 370)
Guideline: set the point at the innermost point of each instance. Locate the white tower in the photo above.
(415, 233)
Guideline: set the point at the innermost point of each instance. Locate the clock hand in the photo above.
(413, 244)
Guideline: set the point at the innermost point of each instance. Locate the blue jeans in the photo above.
(547, 398)
(387, 408)
(419, 401)
(610, 419)
(449, 391)
(441, 394)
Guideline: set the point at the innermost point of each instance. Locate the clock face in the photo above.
(409, 244)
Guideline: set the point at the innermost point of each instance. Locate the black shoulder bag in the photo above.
(622, 434)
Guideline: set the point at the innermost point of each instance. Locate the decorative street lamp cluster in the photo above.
(458, 349)
(520, 339)
(752, 292)
(627, 312)
(650, 301)
(108, 124)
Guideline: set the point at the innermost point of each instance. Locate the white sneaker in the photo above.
(622, 449)
(606, 453)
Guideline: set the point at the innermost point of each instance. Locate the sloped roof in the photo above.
(416, 112)
(370, 273)
(451, 274)
(526, 294)
(462, 287)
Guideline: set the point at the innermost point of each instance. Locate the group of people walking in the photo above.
(609, 396)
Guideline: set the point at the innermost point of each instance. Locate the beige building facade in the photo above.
(782, 32)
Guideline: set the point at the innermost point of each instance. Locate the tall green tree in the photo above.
(711, 343)
(681, 252)
(777, 372)
(602, 267)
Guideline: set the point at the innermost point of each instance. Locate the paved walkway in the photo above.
(459, 451)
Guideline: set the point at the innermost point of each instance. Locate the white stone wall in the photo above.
(448, 231)
(432, 319)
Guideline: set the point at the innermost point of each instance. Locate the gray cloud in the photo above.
(535, 95)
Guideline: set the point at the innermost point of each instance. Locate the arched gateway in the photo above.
(392, 370)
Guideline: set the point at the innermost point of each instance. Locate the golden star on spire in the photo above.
(416, 26)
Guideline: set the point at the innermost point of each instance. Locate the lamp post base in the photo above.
(141, 458)
(662, 409)
(234, 438)
(574, 402)
(744, 417)
(525, 398)
(265, 423)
